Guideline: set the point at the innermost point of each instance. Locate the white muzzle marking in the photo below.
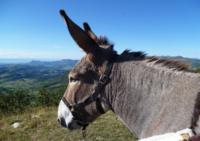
(64, 113)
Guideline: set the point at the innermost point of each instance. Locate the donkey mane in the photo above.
(103, 40)
(171, 64)
(128, 55)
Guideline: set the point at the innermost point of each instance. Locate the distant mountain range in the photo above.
(33, 75)
(64, 64)
(23, 61)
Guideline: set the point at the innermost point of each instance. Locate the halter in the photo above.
(95, 95)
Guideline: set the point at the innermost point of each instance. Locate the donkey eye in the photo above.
(72, 79)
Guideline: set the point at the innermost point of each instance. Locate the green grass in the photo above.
(40, 124)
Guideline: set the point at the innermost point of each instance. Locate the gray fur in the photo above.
(151, 98)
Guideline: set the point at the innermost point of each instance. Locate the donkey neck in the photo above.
(118, 91)
(120, 94)
(138, 95)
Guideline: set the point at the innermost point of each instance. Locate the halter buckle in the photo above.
(103, 79)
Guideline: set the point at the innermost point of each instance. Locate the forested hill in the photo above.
(34, 75)
(192, 62)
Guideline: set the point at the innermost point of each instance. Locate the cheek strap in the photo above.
(99, 106)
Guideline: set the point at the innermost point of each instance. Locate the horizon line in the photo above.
(54, 59)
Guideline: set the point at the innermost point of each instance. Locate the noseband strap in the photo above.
(99, 106)
(95, 95)
(66, 103)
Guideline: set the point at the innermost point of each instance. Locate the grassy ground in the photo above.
(40, 124)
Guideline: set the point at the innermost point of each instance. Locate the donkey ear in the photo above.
(89, 31)
(80, 36)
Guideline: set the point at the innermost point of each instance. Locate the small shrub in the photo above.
(47, 98)
(20, 100)
(15, 102)
(197, 70)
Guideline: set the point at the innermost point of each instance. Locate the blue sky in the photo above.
(34, 28)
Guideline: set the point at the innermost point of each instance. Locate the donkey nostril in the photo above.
(70, 127)
(58, 120)
(62, 122)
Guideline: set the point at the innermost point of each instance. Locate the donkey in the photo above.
(151, 96)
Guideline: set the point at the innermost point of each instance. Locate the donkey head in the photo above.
(83, 77)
